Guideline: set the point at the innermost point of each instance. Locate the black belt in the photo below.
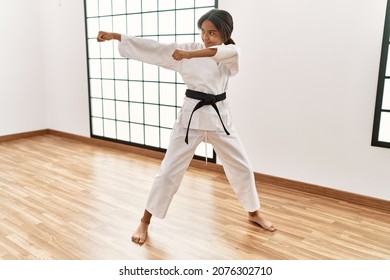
(205, 99)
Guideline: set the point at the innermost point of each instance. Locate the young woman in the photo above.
(205, 69)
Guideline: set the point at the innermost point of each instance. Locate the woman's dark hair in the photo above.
(222, 20)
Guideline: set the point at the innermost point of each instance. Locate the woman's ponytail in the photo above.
(230, 41)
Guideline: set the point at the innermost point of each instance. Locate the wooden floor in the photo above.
(64, 199)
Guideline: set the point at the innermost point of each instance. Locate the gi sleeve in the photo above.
(227, 55)
(149, 51)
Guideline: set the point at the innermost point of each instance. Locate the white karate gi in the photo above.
(208, 75)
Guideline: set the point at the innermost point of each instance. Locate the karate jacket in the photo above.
(208, 75)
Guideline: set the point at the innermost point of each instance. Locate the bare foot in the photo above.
(255, 217)
(141, 234)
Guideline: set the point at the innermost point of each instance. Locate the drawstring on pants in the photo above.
(205, 144)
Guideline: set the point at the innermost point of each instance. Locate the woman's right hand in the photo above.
(104, 36)
(107, 36)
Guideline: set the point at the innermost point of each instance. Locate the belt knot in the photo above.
(209, 99)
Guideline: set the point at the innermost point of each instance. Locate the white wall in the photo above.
(22, 99)
(43, 67)
(308, 79)
(65, 65)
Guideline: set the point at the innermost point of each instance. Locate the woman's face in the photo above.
(210, 35)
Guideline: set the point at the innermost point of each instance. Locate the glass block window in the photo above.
(381, 131)
(133, 102)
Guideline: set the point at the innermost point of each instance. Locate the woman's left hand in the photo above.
(180, 54)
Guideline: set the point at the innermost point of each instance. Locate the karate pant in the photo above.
(229, 150)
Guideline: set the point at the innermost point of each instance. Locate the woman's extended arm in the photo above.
(143, 49)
